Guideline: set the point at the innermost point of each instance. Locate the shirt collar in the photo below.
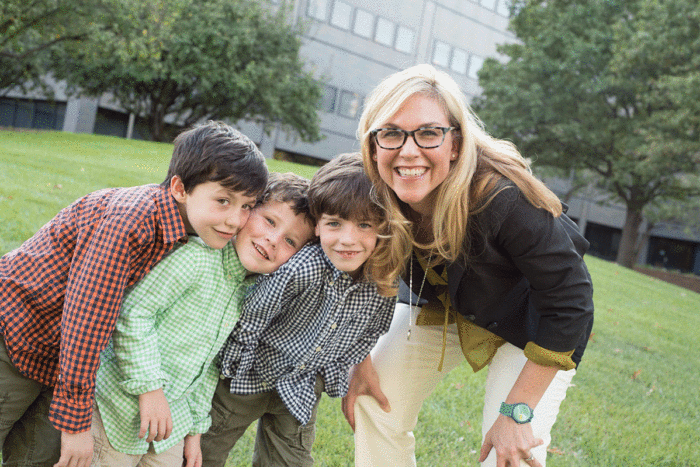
(233, 267)
(337, 274)
(169, 216)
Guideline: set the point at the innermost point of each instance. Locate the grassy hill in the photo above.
(634, 401)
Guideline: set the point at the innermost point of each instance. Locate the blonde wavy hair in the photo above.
(473, 178)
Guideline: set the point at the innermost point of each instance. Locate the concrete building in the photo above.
(352, 45)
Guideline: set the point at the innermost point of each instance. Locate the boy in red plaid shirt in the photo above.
(61, 290)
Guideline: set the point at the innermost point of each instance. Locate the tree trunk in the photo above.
(626, 252)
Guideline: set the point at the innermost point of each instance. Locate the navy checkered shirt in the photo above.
(306, 318)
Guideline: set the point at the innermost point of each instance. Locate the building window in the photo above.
(503, 8)
(349, 104)
(364, 23)
(474, 66)
(460, 60)
(318, 9)
(328, 99)
(342, 15)
(385, 32)
(404, 39)
(441, 54)
(489, 4)
(25, 113)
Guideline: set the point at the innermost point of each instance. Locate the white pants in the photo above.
(408, 374)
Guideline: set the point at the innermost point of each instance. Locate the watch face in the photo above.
(521, 413)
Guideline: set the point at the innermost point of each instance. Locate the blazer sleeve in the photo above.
(549, 254)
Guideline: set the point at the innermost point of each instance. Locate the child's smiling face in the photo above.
(271, 236)
(211, 211)
(347, 243)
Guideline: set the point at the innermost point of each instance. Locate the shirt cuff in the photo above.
(545, 357)
(137, 387)
(71, 413)
(202, 426)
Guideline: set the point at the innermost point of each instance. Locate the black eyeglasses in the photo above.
(426, 138)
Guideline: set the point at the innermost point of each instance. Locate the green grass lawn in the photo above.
(634, 401)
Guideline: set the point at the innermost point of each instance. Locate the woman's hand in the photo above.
(364, 381)
(512, 441)
(155, 416)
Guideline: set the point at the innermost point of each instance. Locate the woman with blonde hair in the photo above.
(494, 274)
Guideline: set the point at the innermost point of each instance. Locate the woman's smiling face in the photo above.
(414, 173)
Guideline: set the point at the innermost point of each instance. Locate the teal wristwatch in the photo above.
(520, 412)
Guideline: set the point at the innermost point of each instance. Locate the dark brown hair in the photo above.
(288, 188)
(217, 152)
(341, 188)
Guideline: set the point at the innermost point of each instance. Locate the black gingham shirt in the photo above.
(306, 318)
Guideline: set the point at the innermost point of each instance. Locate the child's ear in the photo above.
(177, 189)
(318, 231)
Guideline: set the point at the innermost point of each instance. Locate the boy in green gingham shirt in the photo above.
(172, 325)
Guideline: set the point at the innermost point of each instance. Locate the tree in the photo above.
(29, 29)
(609, 86)
(183, 61)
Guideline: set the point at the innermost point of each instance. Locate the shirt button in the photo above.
(318, 349)
(333, 326)
(301, 367)
(330, 282)
(222, 377)
(263, 384)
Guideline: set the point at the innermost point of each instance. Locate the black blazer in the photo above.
(524, 280)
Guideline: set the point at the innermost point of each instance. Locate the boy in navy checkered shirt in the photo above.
(304, 326)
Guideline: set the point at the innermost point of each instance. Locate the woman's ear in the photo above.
(456, 144)
(177, 189)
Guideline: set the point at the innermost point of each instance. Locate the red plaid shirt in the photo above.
(61, 291)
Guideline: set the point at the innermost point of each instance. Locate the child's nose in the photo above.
(273, 238)
(348, 235)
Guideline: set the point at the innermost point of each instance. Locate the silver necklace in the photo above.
(420, 292)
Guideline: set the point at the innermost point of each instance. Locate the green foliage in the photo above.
(633, 402)
(30, 29)
(187, 60)
(609, 86)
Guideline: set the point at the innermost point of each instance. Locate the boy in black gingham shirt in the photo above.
(304, 326)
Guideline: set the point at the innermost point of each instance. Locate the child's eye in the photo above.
(247, 207)
(290, 242)
(333, 224)
(365, 225)
(223, 201)
(270, 221)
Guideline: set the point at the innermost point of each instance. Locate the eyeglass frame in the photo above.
(412, 134)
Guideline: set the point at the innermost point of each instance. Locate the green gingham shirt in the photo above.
(171, 326)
